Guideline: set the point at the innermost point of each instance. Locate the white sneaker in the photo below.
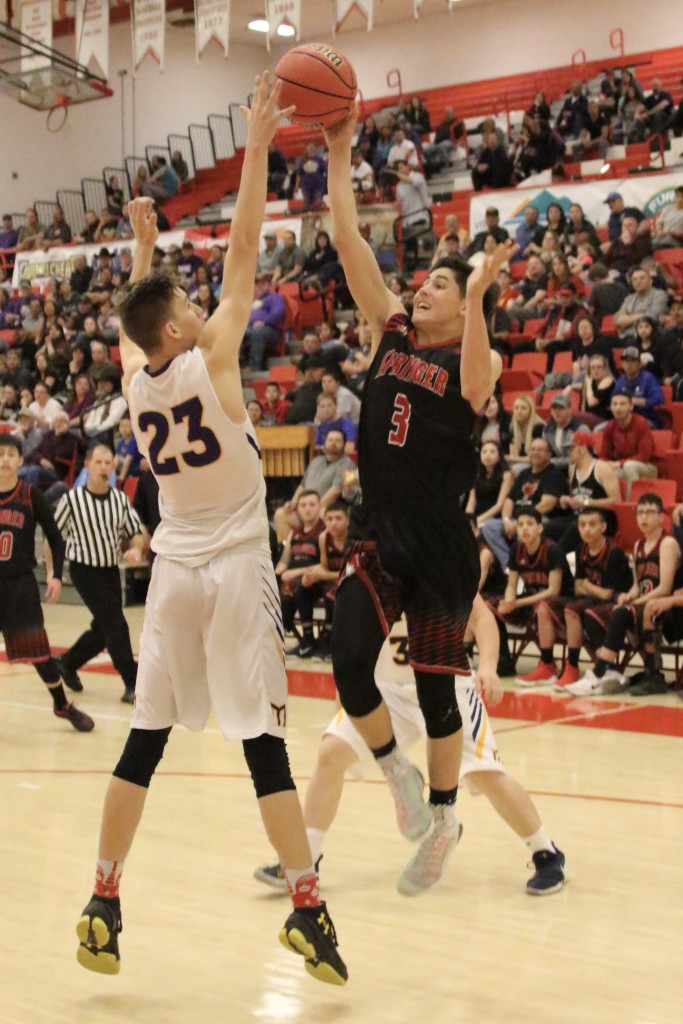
(613, 682)
(588, 686)
(407, 788)
(427, 866)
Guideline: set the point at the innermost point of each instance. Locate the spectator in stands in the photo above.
(301, 552)
(560, 429)
(52, 459)
(554, 227)
(452, 227)
(596, 127)
(328, 418)
(269, 255)
(656, 109)
(627, 127)
(31, 232)
(139, 181)
(254, 412)
(532, 290)
(493, 424)
(418, 115)
(559, 327)
(58, 231)
(162, 220)
(304, 398)
(492, 167)
(80, 401)
(576, 227)
(312, 346)
(540, 486)
(526, 233)
(383, 147)
(312, 177)
(124, 228)
(629, 250)
(348, 404)
(644, 301)
(362, 175)
(369, 131)
(266, 322)
(106, 226)
(81, 275)
(33, 323)
(606, 296)
(627, 442)
(87, 236)
(9, 403)
(290, 261)
(274, 406)
(669, 224)
(9, 236)
(28, 431)
(415, 202)
(127, 456)
(492, 483)
(43, 407)
(449, 143)
(16, 374)
(592, 482)
(109, 406)
(163, 182)
(642, 386)
(189, 263)
(403, 151)
(179, 165)
(617, 212)
(539, 109)
(574, 112)
(493, 227)
(322, 264)
(114, 196)
(652, 345)
(526, 424)
(205, 299)
(324, 475)
(656, 558)
(277, 170)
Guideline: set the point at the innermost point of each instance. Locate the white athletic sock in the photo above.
(395, 763)
(316, 840)
(539, 841)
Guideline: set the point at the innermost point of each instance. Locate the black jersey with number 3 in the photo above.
(416, 458)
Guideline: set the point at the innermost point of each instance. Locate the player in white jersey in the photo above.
(212, 635)
(343, 747)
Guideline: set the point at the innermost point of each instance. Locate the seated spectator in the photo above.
(541, 487)
(669, 224)
(9, 403)
(348, 404)
(254, 412)
(597, 391)
(28, 431)
(266, 321)
(449, 143)
(15, 373)
(675, 122)
(205, 299)
(541, 566)
(322, 264)
(403, 151)
(81, 275)
(526, 233)
(99, 350)
(188, 264)
(324, 475)
(312, 177)
(559, 328)
(492, 167)
(578, 229)
(44, 408)
(560, 429)
(369, 131)
(585, 344)
(58, 231)
(109, 406)
(574, 112)
(656, 109)
(114, 196)
(106, 226)
(139, 181)
(632, 246)
(627, 442)
(127, 456)
(81, 401)
(369, 154)
(312, 346)
(356, 367)
(328, 418)
(493, 424)
(596, 126)
(322, 579)
(602, 571)
(33, 323)
(301, 552)
(452, 227)
(274, 405)
(31, 232)
(304, 398)
(493, 227)
(492, 483)
(617, 212)
(525, 426)
(124, 228)
(418, 116)
(362, 175)
(531, 291)
(415, 202)
(87, 236)
(9, 235)
(163, 183)
(642, 386)
(162, 220)
(268, 256)
(653, 346)
(179, 165)
(555, 221)
(539, 109)
(592, 482)
(52, 459)
(277, 170)
(628, 127)
(656, 558)
(290, 261)
(606, 296)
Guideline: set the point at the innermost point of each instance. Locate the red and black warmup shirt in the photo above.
(535, 569)
(608, 569)
(304, 550)
(20, 510)
(647, 564)
(335, 557)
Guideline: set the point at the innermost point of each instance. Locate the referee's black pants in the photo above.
(100, 590)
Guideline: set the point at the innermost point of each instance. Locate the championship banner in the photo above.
(649, 194)
(148, 21)
(92, 35)
(36, 22)
(342, 9)
(283, 12)
(417, 4)
(212, 20)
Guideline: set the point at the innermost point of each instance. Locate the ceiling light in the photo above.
(258, 25)
(285, 30)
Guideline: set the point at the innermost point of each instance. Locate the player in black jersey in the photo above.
(22, 507)
(602, 570)
(322, 579)
(301, 552)
(411, 547)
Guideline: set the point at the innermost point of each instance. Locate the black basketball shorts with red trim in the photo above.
(436, 634)
(21, 620)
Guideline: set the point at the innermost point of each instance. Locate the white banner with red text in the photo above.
(283, 12)
(212, 21)
(36, 22)
(148, 21)
(343, 8)
(92, 35)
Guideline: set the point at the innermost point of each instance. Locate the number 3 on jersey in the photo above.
(400, 420)
(192, 411)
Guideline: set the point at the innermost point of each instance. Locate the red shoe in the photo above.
(569, 675)
(543, 675)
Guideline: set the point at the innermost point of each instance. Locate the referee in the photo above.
(92, 519)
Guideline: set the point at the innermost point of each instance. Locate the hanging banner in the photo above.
(342, 9)
(92, 35)
(36, 22)
(417, 4)
(283, 12)
(148, 22)
(212, 21)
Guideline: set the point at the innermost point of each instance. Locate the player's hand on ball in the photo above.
(342, 134)
(263, 117)
(487, 271)
(143, 220)
(53, 590)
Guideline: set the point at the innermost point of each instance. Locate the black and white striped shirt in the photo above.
(92, 525)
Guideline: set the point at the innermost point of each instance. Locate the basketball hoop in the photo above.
(57, 115)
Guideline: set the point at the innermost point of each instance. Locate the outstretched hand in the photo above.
(342, 134)
(487, 271)
(53, 590)
(262, 116)
(143, 220)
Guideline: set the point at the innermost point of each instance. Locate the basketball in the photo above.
(319, 80)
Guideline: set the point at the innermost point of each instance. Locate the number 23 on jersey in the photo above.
(192, 411)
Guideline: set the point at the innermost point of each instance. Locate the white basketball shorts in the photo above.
(212, 638)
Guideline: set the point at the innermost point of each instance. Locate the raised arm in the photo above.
(480, 365)
(363, 275)
(143, 220)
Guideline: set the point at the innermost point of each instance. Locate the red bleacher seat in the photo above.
(510, 397)
(666, 489)
(663, 441)
(627, 525)
(518, 380)
(563, 362)
(7, 428)
(673, 467)
(284, 373)
(672, 259)
(675, 410)
(533, 362)
(608, 326)
(130, 486)
(668, 393)
(532, 328)
(9, 335)
(419, 278)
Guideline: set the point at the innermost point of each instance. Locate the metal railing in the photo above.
(239, 126)
(44, 210)
(183, 145)
(18, 220)
(122, 174)
(71, 201)
(94, 194)
(152, 151)
(220, 126)
(201, 140)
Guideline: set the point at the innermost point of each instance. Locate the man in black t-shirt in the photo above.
(541, 487)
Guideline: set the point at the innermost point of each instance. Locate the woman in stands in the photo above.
(526, 425)
(369, 131)
(652, 345)
(560, 277)
(493, 425)
(322, 264)
(555, 225)
(492, 483)
(539, 109)
(597, 392)
(627, 128)
(418, 115)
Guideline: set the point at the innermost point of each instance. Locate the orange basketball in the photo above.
(320, 81)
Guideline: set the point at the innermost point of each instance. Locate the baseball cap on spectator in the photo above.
(561, 400)
(567, 289)
(25, 411)
(582, 437)
(630, 352)
(612, 196)
(492, 211)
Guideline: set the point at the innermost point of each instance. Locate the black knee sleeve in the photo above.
(357, 639)
(143, 750)
(268, 764)
(620, 620)
(438, 703)
(48, 671)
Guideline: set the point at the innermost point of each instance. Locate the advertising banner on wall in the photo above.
(649, 194)
(342, 9)
(283, 12)
(36, 22)
(212, 21)
(92, 35)
(148, 20)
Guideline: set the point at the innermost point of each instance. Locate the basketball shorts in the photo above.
(21, 620)
(672, 624)
(523, 617)
(212, 639)
(479, 754)
(435, 633)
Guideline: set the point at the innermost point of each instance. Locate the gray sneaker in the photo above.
(427, 866)
(413, 815)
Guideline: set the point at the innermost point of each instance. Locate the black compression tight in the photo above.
(357, 639)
